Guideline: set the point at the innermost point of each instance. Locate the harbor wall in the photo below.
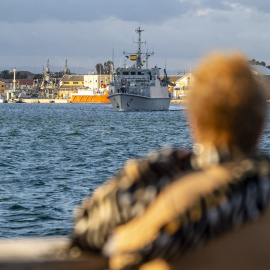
(63, 101)
(178, 101)
(41, 100)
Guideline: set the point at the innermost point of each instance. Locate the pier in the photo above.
(44, 100)
(63, 101)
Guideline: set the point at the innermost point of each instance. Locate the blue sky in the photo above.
(87, 32)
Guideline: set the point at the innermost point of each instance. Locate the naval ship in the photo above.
(137, 88)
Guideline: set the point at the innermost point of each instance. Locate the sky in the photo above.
(87, 32)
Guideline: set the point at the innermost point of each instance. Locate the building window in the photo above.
(75, 83)
(66, 82)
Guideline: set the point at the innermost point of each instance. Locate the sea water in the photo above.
(53, 155)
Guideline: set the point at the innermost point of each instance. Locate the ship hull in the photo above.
(128, 102)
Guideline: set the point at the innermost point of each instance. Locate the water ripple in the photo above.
(53, 155)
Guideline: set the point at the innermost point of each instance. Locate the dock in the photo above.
(64, 101)
(178, 101)
(44, 100)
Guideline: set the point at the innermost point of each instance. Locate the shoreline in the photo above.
(45, 100)
(65, 101)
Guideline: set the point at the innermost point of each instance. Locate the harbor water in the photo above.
(53, 155)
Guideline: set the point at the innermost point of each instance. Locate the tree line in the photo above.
(105, 69)
(6, 74)
(256, 62)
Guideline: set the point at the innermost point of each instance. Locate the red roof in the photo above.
(22, 81)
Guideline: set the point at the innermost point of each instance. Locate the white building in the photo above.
(91, 81)
(182, 86)
(95, 82)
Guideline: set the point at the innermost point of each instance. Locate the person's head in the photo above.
(227, 104)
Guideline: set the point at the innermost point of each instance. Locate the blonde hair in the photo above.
(227, 103)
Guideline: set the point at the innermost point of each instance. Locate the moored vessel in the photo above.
(90, 96)
(137, 88)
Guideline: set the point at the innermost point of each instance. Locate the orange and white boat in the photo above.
(90, 96)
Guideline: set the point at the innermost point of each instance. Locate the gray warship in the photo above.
(137, 88)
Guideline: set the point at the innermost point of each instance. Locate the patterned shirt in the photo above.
(207, 194)
(126, 196)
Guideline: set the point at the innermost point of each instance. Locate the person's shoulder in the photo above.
(160, 164)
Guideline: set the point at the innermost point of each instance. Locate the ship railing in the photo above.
(136, 92)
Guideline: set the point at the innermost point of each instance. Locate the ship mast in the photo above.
(139, 53)
(139, 62)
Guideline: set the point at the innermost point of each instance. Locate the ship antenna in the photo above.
(139, 53)
(147, 56)
(113, 58)
(165, 60)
